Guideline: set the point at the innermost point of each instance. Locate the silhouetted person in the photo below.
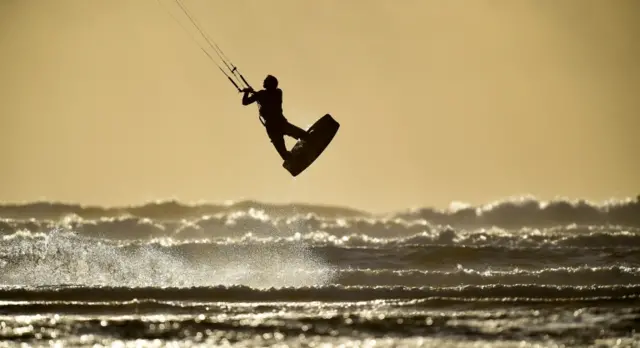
(270, 107)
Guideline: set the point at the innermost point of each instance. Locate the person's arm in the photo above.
(248, 99)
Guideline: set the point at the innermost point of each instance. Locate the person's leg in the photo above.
(294, 131)
(276, 136)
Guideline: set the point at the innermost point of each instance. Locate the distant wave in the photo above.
(169, 209)
(245, 227)
(249, 228)
(528, 211)
(509, 213)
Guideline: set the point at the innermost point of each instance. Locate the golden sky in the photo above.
(110, 102)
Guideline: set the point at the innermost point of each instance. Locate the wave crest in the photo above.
(509, 213)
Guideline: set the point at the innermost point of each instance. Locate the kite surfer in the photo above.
(310, 143)
(270, 109)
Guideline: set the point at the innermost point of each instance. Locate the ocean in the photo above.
(514, 273)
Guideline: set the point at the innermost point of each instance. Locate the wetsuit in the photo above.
(277, 126)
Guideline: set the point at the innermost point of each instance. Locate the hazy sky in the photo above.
(110, 102)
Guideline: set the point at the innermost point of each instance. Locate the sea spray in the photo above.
(66, 258)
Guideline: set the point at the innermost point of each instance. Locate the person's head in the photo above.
(270, 82)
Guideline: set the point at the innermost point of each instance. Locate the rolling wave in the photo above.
(509, 213)
(328, 233)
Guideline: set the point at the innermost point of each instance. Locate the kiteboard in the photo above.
(305, 152)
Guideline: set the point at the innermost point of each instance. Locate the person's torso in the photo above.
(270, 103)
